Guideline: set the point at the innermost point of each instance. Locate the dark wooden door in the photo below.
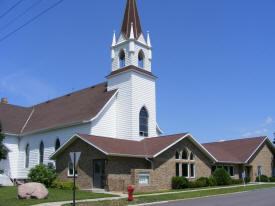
(99, 173)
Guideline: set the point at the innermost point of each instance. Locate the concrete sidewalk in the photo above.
(143, 195)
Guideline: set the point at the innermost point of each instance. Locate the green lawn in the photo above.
(8, 196)
(165, 197)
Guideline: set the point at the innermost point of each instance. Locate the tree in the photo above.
(3, 149)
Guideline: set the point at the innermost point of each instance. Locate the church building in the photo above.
(114, 126)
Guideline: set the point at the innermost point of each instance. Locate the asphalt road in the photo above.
(261, 197)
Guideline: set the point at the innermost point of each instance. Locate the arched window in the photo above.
(57, 144)
(27, 156)
(141, 59)
(143, 122)
(41, 152)
(191, 156)
(177, 155)
(184, 154)
(122, 59)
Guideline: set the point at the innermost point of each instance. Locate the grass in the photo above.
(178, 196)
(8, 196)
(178, 190)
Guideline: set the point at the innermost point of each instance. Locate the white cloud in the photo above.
(27, 87)
(256, 132)
(247, 134)
(268, 121)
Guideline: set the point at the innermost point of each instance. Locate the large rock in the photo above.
(32, 190)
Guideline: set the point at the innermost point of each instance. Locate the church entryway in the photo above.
(99, 173)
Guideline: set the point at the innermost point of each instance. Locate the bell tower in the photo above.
(131, 56)
(131, 47)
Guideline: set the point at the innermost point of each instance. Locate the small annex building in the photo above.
(114, 126)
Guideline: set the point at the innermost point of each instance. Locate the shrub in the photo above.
(212, 181)
(179, 183)
(42, 174)
(205, 181)
(64, 185)
(1, 172)
(193, 184)
(236, 181)
(247, 179)
(222, 177)
(262, 179)
(272, 179)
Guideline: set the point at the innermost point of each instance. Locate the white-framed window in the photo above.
(177, 155)
(27, 156)
(121, 59)
(231, 171)
(184, 154)
(185, 170)
(192, 171)
(140, 59)
(41, 153)
(144, 178)
(71, 170)
(192, 157)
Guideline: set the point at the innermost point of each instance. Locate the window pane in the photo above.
(185, 170)
(192, 156)
(192, 170)
(71, 169)
(231, 171)
(184, 155)
(177, 155)
(143, 178)
(41, 153)
(177, 169)
(143, 122)
(213, 168)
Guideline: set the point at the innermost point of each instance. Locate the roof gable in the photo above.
(235, 151)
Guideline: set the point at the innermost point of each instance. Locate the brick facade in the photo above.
(121, 172)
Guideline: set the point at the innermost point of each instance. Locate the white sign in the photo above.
(77, 156)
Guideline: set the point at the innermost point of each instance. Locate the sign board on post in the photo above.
(74, 157)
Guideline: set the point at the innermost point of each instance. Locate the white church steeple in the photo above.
(135, 105)
(131, 48)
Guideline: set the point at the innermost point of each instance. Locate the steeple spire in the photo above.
(131, 17)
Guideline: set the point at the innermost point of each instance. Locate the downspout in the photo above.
(152, 163)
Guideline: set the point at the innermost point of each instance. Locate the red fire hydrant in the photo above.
(130, 193)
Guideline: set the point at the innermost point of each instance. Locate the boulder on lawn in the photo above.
(32, 190)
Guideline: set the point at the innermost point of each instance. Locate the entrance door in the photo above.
(99, 173)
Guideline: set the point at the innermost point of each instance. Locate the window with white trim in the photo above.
(27, 156)
(192, 156)
(144, 178)
(185, 170)
(122, 59)
(184, 154)
(177, 155)
(71, 170)
(192, 170)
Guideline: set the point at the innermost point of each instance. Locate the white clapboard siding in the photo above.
(49, 139)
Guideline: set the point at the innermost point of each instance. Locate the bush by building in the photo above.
(42, 174)
(222, 177)
(262, 178)
(247, 179)
(64, 185)
(272, 179)
(179, 183)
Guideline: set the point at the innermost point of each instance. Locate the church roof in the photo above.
(73, 108)
(148, 147)
(131, 16)
(235, 151)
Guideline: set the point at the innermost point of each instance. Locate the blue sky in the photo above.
(214, 59)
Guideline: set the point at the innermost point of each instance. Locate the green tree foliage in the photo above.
(222, 177)
(3, 149)
(179, 183)
(42, 174)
